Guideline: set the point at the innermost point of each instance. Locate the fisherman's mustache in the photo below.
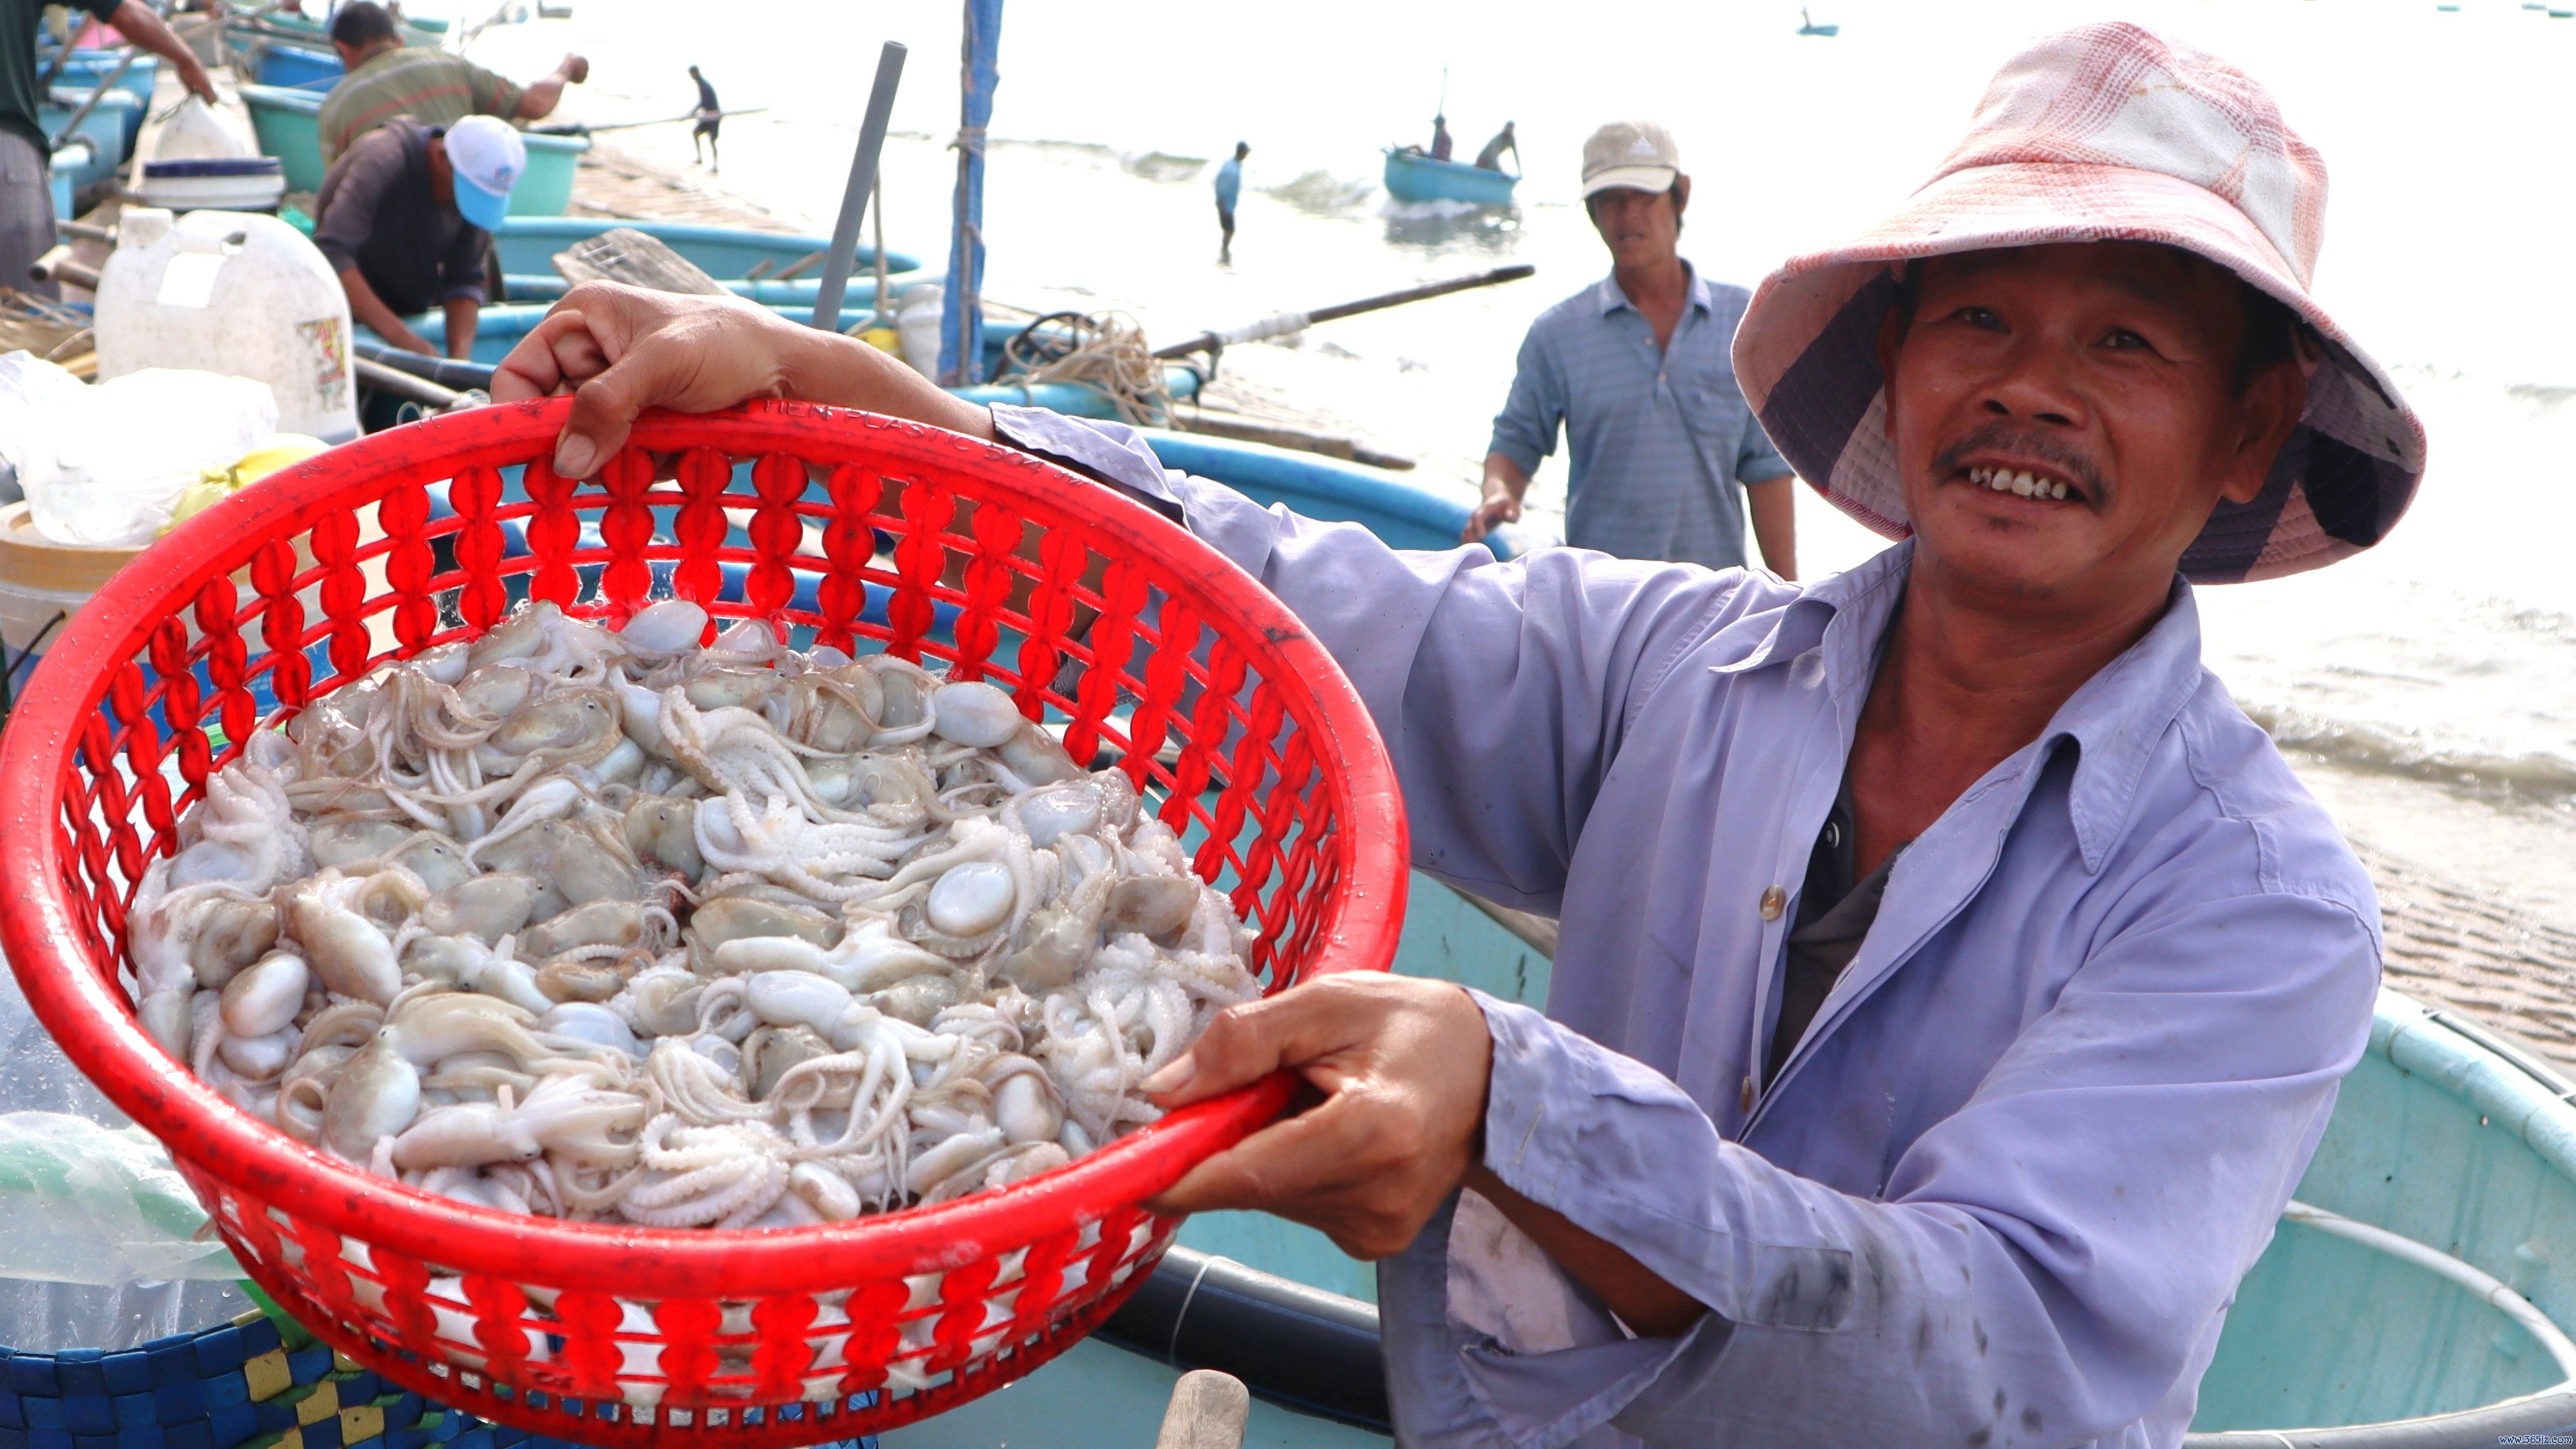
(2010, 438)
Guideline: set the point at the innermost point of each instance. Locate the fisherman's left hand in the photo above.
(1402, 1064)
(618, 350)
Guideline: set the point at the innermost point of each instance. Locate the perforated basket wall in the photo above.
(842, 528)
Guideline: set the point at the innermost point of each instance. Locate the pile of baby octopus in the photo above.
(614, 926)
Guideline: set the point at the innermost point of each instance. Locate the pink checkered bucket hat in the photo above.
(2100, 133)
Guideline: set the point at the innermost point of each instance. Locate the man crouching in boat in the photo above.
(1953, 982)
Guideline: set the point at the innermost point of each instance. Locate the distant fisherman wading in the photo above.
(1229, 185)
(710, 118)
(1952, 981)
(1662, 454)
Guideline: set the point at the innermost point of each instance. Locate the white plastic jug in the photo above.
(233, 292)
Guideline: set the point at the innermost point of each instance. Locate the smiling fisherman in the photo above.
(1954, 983)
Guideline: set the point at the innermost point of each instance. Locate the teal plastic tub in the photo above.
(288, 123)
(545, 188)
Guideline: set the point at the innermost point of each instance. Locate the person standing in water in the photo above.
(1229, 185)
(710, 117)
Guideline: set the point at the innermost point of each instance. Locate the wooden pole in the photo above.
(1288, 322)
(863, 180)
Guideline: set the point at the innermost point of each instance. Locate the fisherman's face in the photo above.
(2104, 374)
(1641, 228)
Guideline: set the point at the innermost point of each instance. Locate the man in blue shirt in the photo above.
(1663, 452)
(1953, 983)
(1229, 185)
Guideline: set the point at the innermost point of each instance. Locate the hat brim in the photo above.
(1806, 354)
(1635, 178)
(481, 205)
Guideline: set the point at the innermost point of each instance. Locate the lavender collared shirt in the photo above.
(2003, 1190)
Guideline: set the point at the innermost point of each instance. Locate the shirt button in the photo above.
(1746, 1096)
(1774, 901)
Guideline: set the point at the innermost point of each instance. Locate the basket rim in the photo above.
(87, 1013)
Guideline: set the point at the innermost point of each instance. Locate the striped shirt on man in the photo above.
(430, 86)
(1660, 442)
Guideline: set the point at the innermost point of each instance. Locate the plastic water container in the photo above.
(916, 320)
(232, 292)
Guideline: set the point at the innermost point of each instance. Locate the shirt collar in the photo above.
(2115, 718)
(1610, 299)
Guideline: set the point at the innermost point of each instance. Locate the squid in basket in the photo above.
(614, 926)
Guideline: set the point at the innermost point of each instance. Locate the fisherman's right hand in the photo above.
(1491, 514)
(617, 350)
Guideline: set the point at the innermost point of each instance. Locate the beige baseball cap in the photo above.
(1638, 154)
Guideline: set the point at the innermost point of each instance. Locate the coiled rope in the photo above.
(1103, 351)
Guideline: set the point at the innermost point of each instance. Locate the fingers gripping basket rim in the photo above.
(77, 996)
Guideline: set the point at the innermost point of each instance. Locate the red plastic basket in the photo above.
(1220, 706)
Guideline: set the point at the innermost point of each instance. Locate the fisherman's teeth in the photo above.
(2026, 485)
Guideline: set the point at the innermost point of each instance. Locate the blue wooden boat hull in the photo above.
(1413, 177)
(278, 63)
(87, 68)
(500, 328)
(1405, 513)
(528, 245)
(103, 131)
(114, 122)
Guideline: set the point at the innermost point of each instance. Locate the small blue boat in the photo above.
(1807, 26)
(116, 119)
(1412, 176)
(105, 131)
(499, 329)
(88, 68)
(528, 245)
(300, 67)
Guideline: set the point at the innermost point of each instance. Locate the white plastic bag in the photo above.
(43, 1314)
(197, 132)
(33, 394)
(82, 1203)
(122, 452)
